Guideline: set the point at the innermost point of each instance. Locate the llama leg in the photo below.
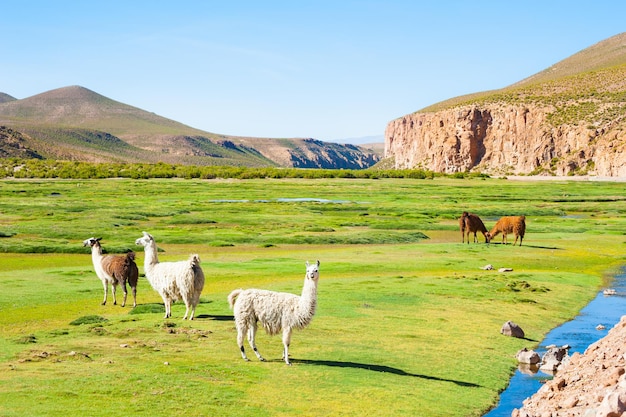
(241, 330)
(186, 310)
(193, 311)
(114, 291)
(286, 343)
(134, 296)
(251, 341)
(125, 293)
(106, 292)
(189, 308)
(168, 306)
(194, 303)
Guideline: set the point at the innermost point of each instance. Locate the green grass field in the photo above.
(407, 322)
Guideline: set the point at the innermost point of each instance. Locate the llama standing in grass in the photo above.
(275, 310)
(173, 280)
(510, 224)
(114, 270)
(471, 223)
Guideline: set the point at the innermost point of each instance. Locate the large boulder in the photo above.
(511, 329)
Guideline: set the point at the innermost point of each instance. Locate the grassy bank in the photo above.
(407, 322)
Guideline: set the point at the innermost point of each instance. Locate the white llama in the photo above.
(114, 270)
(275, 310)
(173, 280)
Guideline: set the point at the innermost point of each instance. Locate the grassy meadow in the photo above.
(407, 321)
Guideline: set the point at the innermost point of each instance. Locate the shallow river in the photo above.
(578, 333)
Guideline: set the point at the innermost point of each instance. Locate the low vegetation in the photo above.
(48, 168)
(406, 317)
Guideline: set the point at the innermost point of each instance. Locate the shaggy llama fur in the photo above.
(275, 310)
(173, 280)
(510, 224)
(471, 223)
(114, 270)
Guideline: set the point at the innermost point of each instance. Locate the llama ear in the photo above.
(318, 262)
(98, 239)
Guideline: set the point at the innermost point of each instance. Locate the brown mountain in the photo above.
(568, 119)
(76, 123)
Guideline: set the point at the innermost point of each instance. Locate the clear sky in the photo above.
(328, 70)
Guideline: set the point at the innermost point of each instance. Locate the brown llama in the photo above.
(471, 223)
(114, 270)
(510, 224)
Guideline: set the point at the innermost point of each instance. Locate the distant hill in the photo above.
(76, 123)
(569, 119)
(5, 98)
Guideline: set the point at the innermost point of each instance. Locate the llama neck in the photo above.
(308, 300)
(151, 257)
(96, 252)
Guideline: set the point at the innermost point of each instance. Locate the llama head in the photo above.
(92, 241)
(313, 271)
(145, 240)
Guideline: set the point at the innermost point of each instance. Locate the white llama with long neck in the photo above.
(275, 311)
(173, 280)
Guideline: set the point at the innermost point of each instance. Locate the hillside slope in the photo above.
(568, 119)
(79, 124)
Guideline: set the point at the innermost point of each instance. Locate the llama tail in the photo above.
(194, 260)
(129, 261)
(232, 297)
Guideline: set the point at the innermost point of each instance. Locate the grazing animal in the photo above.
(114, 270)
(275, 310)
(471, 223)
(173, 280)
(510, 224)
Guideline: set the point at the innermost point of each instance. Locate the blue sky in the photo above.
(323, 69)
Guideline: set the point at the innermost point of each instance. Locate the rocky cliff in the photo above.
(590, 385)
(567, 120)
(505, 139)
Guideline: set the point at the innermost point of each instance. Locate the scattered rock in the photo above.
(528, 357)
(553, 358)
(511, 329)
(487, 267)
(609, 291)
(505, 269)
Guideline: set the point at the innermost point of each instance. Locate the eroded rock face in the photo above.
(591, 384)
(504, 139)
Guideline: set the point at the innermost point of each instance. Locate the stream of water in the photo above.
(579, 333)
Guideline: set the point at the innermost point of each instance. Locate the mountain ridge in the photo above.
(67, 122)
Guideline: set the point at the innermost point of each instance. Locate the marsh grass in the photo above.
(406, 325)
